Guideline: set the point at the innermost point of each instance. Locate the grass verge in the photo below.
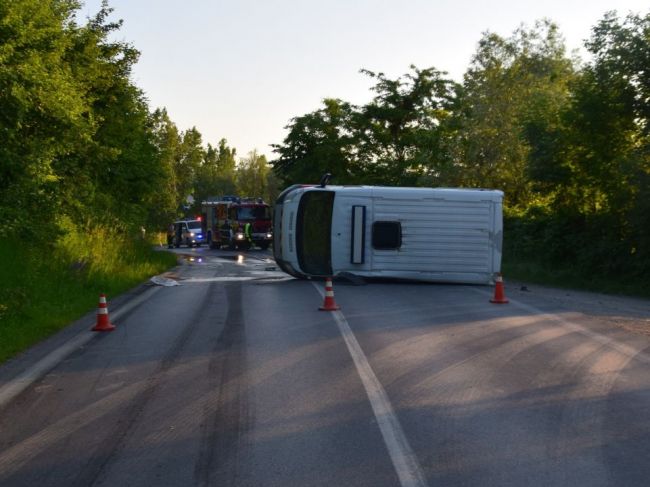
(44, 288)
(572, 278)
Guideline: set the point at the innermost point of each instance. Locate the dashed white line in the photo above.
(401, 454)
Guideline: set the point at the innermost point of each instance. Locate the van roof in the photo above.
(397, 192)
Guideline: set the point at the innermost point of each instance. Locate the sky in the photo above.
(242, 69)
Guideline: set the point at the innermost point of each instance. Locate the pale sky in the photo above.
(241, 69)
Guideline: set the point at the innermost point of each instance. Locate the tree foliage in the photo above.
(319, 142)
(513, 86)
(44, 106)
(78, 142)
(567, 141)
(217, 174)
(591, 161)
(398, 131)
(77, 137)
(394, 139)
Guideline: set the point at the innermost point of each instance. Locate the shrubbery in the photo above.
(44, 287)
(571, 249)
(567, 141)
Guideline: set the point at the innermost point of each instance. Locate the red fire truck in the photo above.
(224, 223)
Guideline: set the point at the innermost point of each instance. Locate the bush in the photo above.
(43, 287)
(592, 251)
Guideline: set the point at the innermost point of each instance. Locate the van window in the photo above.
(387, 235)
(313, 232)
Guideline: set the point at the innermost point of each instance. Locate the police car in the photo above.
(188, 232)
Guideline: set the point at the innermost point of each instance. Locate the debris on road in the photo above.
(164, 281)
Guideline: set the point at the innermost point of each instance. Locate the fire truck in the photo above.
(224, 222)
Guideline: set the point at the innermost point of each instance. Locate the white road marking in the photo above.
(404, 460)
(253, 276)
(622, 348)
(26, 378)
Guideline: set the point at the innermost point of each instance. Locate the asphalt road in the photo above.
(235, 378)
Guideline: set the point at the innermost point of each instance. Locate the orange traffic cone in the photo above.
(103, 324)
(499, 295)
(329, 304)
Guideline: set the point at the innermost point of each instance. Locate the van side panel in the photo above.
(447, 235)
(438, 236)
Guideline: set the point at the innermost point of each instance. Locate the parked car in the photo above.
(188, 232)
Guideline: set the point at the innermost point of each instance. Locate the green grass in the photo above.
(44, 288)
(573, 278)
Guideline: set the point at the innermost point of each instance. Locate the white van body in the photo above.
(426, 234)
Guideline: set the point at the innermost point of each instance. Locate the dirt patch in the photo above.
(630, 314)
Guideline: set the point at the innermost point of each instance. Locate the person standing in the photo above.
(180, 230)
(247, 233)
(170, 236)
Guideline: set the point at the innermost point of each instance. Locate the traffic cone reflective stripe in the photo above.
(329, 304)
(499, 294)
(103, 323)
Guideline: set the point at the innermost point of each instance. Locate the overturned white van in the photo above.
(425, 234)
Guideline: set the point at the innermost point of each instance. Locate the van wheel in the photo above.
(264, 245)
